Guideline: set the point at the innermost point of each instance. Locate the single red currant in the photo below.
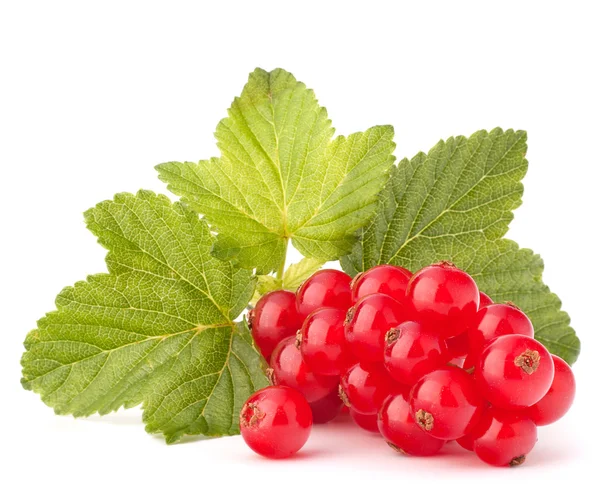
(274, 318)
(412, 350)
(366, 422)
(444, 296)
(364, 387)
(495, 321)
(484, 300)
(368, 322)
(466, 441)
(559, 397)
(445, 403)
(504, 438)
(276, 421)
(326, 409)
(288, 368)
(325, 288)
(458, 347)
(323, 342)
(400, 430)
(387, 279)
(514, 371)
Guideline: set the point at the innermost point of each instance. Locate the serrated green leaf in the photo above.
(160, 323)
(298, 273)
(455, 204)
(280, 176)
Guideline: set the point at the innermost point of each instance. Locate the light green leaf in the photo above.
(159, 324)
(455, 204)
(280, 176)
(298, 273)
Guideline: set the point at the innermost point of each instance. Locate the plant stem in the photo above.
(281, 269)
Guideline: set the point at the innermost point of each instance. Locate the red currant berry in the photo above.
(559, 397)
(326, 409)
(412, 350)
(445, 403)
(400, 430)
(443, 296)
(387, 279)
(504, 438)
(288, 368)
(495, 321)
(323, 342)
(274, 318)
(366, 422)
(364, 387)
(466, 441)
(325, 288)
(484, 300)
(458, 347)
(276, 421)
(514, 371)
(368, 322)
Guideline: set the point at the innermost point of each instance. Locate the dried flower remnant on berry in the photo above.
(528, 361)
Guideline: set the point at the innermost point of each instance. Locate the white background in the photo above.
(94, 94)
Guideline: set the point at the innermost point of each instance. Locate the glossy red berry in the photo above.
(443, 296)
(274, 318)
(326, 409)
(276, 421)
(504, 438)
(400, 430)
(412, 350)
(289, 369)
(559, 397)
(458, 346)
(495, 321)
(365, 422)
(466, 441)
(387, 279)
(323, 342)
(364, 387)
(368, 322)
(514, 371)
(445, 403)
(325, 288)
(484, 300)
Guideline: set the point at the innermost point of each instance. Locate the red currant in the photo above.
(325, 288)
(466, 441)
(495, 321)
(514, 371)
(504, 438)
(458, 347)
(368, 322)
(443, 296)
(387, 279)
(559, 397)
(323, 344)
(364, 387)
(400, 430)
(484, 300)
(366, 422)
(288, 368)
(276, 421)
(445, 403)
(326, 409)
(412, 350)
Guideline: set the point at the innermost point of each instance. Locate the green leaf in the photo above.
(281, 177)
(158, 329)
(298, 273)
(455, 203)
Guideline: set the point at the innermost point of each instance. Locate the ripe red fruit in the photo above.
(484, 300)
(274, 318)
(364, 387)
(325, 288)
(401, 432)
(514, 371)
(288, 368)
(366, 422)
(326, 409)
(412, 350)
(323, 342)
(504, 438)
(559, 397)
(445, 403)
(368, 322)
(387, 279)
(458, 347)
(495, 321)
(276, 421)
(443, 296)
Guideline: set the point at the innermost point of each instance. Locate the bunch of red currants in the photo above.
(422, 359)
